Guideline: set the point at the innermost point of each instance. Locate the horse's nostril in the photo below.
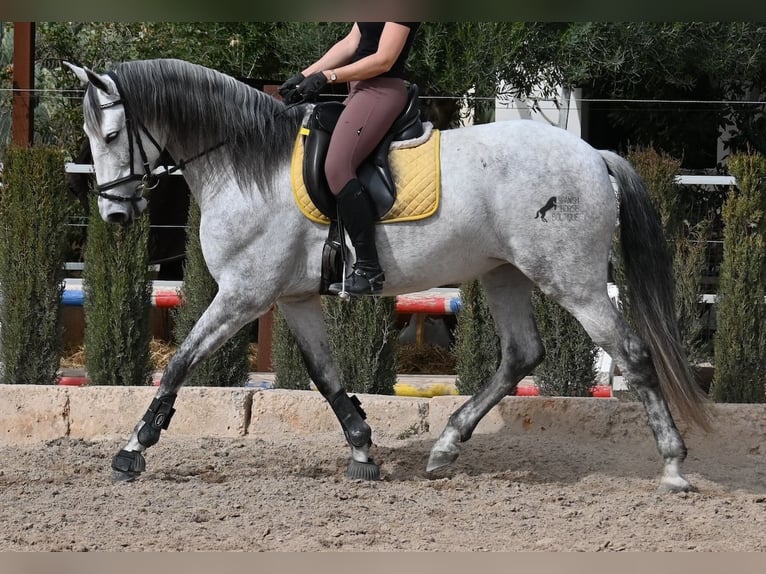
(117, 218)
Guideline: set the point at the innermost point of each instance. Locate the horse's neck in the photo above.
(219, 189)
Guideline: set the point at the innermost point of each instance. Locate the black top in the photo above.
(368, 44)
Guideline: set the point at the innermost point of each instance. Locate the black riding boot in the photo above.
(358, 217)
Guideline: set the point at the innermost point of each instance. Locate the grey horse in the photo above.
(234, 144)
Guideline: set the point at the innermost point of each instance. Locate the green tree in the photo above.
(6, 83)
(568, 368)
(228, 366)
(58, 113)
(118, 293)
(298, 44)
(455, 60)
(687, 240)
(290, 370)
(740, 339)
(33, 215)
(477, 346)
(647, 65)
(240, 49)
(716, 61)
(363, 340)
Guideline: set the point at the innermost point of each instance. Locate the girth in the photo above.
(374, 173)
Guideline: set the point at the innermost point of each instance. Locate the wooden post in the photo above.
(266, 321)
(23, 83)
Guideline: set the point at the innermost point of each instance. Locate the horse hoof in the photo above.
(127, 465)
(119, 476)
(672, 480)
(363, 470)
(441, 458)
(674, 487)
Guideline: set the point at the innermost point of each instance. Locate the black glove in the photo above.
(287, 90)
(309, 88)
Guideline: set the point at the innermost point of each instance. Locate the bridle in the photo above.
(148, 180)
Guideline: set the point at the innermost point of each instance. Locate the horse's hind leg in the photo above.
(508, 294)
(307, 324)
(216, 325)
(609, 330)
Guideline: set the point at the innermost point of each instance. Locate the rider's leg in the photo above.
(370, 110)
(358, 217)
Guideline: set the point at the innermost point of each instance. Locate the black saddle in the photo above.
(374, 173)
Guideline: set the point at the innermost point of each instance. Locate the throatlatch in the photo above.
(351, 416)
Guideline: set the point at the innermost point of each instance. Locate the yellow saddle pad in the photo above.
(415, 171)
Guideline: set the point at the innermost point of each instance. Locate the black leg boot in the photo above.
(358, 217)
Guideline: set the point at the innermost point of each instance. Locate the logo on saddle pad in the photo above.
(414, 167)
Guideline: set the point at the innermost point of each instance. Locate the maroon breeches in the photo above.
(371, 108)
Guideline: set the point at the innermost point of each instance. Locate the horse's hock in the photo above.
(34, 413)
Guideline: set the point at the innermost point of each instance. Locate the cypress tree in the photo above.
(228, 366)
(289, 368)
(568, 369)
(740, 338)
(33, 214)
(477, 347)
(687, 240)
(118, 291)
(363, 338)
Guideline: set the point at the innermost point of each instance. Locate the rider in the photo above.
(372, 58)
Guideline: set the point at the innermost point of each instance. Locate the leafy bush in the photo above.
(118, 297)
(363, 338)
(228, 366)
(289, 368)
(477, 347)
(740, 339)
(568, 369)
(33, 215)
(687, 239)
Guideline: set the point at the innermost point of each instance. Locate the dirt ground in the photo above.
(548, 491)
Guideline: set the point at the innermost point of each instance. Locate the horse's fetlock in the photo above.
(359, 437)
(460, 431)
(349, 411)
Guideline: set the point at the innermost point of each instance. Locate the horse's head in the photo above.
(123, 149)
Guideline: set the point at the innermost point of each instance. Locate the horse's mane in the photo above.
(202, 108)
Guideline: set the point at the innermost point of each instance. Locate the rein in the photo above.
(148, 180)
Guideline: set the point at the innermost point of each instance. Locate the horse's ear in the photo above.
(87, 76)
(79, 72)
(101, 82)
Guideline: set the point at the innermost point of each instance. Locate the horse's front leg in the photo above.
(307, 324)
(223, 318)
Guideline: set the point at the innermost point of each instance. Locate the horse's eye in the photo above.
(111, 136)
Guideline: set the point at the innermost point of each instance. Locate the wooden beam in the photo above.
(22, 127)
(266, 321)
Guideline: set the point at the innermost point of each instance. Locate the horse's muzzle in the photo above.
(118, 218)
(121, 213)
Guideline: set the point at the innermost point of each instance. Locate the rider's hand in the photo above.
(287, 90)
(310, 87)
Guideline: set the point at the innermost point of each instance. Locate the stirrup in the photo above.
(360, 282)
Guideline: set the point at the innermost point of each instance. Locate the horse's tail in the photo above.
(649, 275)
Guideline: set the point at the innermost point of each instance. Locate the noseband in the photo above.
(148, 179)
